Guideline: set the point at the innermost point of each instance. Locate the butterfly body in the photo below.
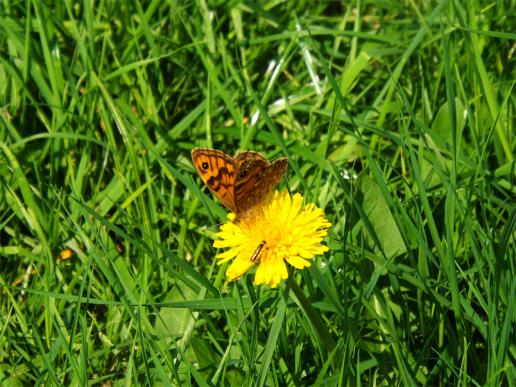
(239, 182)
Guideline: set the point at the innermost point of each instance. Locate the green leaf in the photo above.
(174, 321)
(442, 124)
(379, 215)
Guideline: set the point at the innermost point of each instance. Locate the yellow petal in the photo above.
(298, 262)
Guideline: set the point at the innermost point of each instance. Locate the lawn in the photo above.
(397, 119)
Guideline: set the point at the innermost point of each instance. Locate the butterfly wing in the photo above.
(255, 178)
(250, 167)
(217, 170)
(275, 172)
(271, 177)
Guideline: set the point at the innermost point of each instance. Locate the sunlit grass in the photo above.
(398, 121)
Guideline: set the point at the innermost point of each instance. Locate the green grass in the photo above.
(398, 120)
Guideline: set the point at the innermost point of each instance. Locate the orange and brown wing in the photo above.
(271, 177)
(250, 167)
(217, 170)
(255, 178)
(275, 173)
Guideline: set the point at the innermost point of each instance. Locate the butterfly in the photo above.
(239, 182)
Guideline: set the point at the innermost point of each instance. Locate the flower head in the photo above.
(277, 230)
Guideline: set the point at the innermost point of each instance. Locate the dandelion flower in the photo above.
(276, 231)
